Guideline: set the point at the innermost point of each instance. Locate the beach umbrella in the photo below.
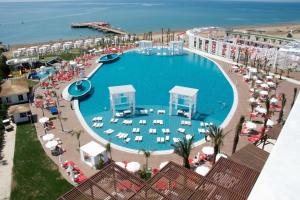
(121, 164)
(133, 167)
(271, 84)
(264, 85)
(48, 137)
(252, 100)
(163, 164)
(208, 150)
(269, 77)
(202, 170)
(43, 120)
(51, 144)
(263, 92)
(261, 110)
(250, 125)
(258, 81)
(273, 100)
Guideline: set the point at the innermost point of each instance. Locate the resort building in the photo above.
(14, 92)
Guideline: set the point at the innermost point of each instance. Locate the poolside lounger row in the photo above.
(181, 130)
(142, 122)
(127, 122)
(158, 122)
(114, 120)
(135, 130)
(109, 131)
(97, 119)
(138, 138)
(160, 140)
(152, 130)
(165, 131)
(98, 125)
(122, 135)
(161, 112)
(186, 123)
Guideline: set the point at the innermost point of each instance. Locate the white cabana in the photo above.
(133, 167)
(183, 97)
(92, 152)
(202, 170)
(176, 47)
(122, 97)
(145, 46)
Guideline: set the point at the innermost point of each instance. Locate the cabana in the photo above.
(176, 47)
(92, 152)
(183, 97)
(145, 46)
(122, 97)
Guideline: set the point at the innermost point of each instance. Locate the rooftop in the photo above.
(92, 148)
(14, 87)
(185, 91)
(20, 108)
(121, 89)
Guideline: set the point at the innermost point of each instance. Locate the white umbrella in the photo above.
(264, 85)
(219, 155)
(202, 170)
(51, 144)
(271, 83)
(273, 100)
(133, 167)
(270, 123)
(163, 164)
(250, 125)
(263, 92)
(208, 150)
(121, 164)
(43, 120)
(72, 62)
(48, 137)
(269, 77)
(258, 81)
(252, 100)
(261, 109)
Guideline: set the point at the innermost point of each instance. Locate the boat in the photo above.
(109, 58)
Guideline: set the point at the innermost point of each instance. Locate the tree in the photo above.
(263, 136)
(217, 138)
(280, 74)
(294, 96)
(147, 155)
(108, 149)
(4, 68)
(283, 102)
(183, 148)
(78, 134)
(238, 129)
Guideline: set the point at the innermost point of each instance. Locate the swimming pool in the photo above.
(153, 77)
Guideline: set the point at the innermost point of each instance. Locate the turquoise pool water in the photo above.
(46, 73)
(85, 88)
(153, 77)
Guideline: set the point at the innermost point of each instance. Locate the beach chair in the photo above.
(136, 138)
(94, 124)
(167, 131)
(140, 138)
(181, 130)
(188, 136)
(161, 122)
(114, 120)
(188, 123)
(118, 135)
(162, 140)
(141, 122)
(158, 139)
(151, 110)
(175, 140)
(201, 124)
(127, 140)
(109, 131)
(167, 138)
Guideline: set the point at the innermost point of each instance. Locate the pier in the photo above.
(100, 26)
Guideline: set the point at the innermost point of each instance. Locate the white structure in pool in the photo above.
(183, 97)
(145, 46)
(92, 152)
(176, 47)
(122, 96)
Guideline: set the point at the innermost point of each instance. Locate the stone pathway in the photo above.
(6, 164)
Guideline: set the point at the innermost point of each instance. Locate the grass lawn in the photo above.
(35, 176)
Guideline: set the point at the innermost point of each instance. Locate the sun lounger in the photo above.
(167, 131)
(114, 120)
(118, 135)
(144, 112)
(119, 114)
(161, 122)
(135, 130)
(175, 140)
(158, 139)
(109, 131)
(94, 124)
(162, 140)
(181, 130)
(127, 140)
(99, 125)
(188, 136)
(167, 138)
(201, 124)
(161, 112)
(151, 110)
(127, 112)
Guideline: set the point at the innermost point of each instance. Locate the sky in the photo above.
(150, 0)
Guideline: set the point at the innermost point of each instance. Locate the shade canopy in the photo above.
(185, 91)
(121, 89)
(51, 144)
(92, 149)
(48, 137)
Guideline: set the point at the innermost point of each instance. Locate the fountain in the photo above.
(79, 85)
(79, 89)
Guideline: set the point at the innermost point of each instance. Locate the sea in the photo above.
(29, 21)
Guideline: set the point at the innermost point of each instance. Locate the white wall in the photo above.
(14, 99)
(280, 177)
(19, 119)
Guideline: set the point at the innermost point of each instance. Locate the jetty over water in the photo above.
(100, 26)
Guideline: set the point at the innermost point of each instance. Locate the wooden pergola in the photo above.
(227, 180)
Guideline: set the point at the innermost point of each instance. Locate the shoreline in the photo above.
(283, 28)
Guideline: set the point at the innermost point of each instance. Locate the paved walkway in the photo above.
(6, 164)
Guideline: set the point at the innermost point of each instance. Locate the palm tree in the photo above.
(280, 74)
(283, 102)
(147, 155)
(217, 138)
(263, 136)
(294, 97)
(108, 149)
(238, 129)
(183, 148)
(78, 134)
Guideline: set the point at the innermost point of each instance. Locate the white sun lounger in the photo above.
(201, 130)
(94, 124)
(181, 130)
(161, 112)
(118, 135)
(167, 131)
(188, 123)
(114, 120)
(151, 110)
(109, 131)
(161, 122)
(162, 140)
(141, 138)
(144, 111)
(135, 130)
(167, 138)
(99, 125)
(202, 124)
(175, 140)
(127, 140)
(158, 139)
(119, 114)
(188, 136)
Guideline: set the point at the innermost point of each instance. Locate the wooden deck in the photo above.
(100, 26)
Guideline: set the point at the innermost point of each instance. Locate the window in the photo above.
(20, 97)
(23, 115)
